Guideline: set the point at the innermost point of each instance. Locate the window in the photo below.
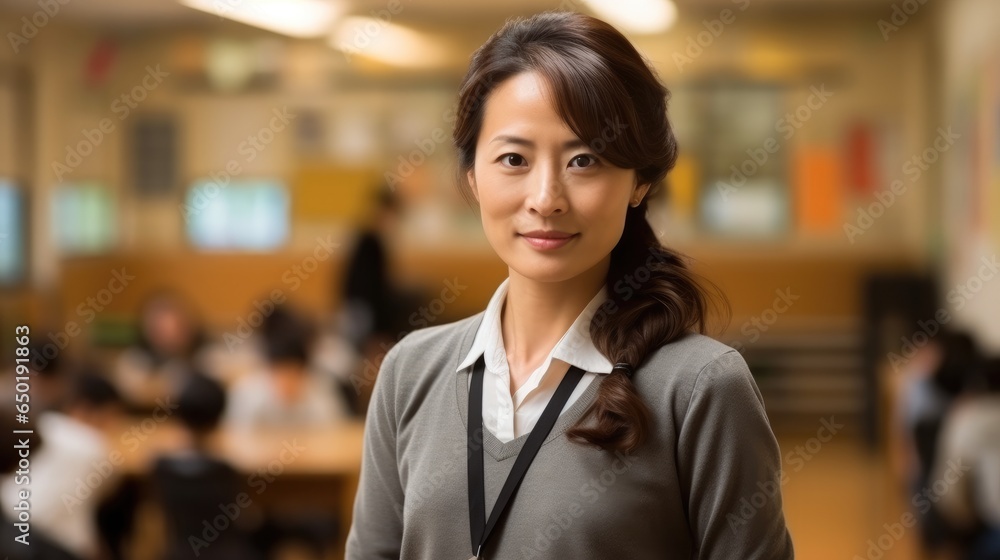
(243, 215)
(83, 217)
(743, 187)
(12, 242)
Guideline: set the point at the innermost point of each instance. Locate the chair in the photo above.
(201, 501)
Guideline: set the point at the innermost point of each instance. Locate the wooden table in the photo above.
(293, 469)
(330, 451)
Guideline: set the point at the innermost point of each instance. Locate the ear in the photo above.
(471, 176)
(639, 192)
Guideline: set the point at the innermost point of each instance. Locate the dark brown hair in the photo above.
(601, 84)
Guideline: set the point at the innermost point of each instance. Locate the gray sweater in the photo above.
(706, 484)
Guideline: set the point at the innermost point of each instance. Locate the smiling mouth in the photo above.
(544, 241)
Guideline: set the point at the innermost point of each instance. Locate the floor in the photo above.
(839, 500)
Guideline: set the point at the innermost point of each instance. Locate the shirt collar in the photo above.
(575, 347)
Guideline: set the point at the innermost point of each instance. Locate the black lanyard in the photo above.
(480, 528)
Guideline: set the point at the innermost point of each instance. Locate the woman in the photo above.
(647, 438)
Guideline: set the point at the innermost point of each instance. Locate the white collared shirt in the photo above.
(511, 417)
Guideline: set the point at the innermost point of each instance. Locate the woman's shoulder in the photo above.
(430, 350)
(436, 336)
(690, 363)
(691, 352)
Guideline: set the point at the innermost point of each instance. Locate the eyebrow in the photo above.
(569, 144)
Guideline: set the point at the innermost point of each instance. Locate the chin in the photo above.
(546, 269)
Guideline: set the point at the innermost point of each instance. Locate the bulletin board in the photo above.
(323, 192)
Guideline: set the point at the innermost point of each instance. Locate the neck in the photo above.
(200, 442)
(537, 314)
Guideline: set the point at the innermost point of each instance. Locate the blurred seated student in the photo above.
(10, 546)
(933, 379)
(170, 342)
(192, 483)
(64, 497)
(335, 358)
(12, 538)
(49, 371)
(331, 356)
(46, 369)
(286, 392)
(49, 390)
(968, 460)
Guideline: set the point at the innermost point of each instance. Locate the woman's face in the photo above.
(532, 174)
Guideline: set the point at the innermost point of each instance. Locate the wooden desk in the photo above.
(287, 470)
(333, 451)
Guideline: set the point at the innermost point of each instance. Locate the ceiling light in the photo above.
(296, 18)
(636, 16)
(386, 42)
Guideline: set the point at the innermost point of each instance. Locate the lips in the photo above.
(548, 234)
(545, 240)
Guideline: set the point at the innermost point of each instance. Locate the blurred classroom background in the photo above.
(216, 216)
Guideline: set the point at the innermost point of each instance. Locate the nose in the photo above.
(546, 191)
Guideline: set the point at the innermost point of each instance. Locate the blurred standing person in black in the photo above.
(368, 288)
(374, 307)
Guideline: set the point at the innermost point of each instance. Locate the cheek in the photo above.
(608, 227)
(606, 203)
(498, 200)
(604, 216)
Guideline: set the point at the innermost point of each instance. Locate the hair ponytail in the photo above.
(670, 301)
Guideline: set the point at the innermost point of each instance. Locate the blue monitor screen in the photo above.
(243, 215)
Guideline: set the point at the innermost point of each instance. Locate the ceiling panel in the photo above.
(445, 12)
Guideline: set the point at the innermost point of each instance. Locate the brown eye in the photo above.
(584, 160)
(513, 160)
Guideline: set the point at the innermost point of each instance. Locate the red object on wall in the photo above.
(860, 165)
(99, 62)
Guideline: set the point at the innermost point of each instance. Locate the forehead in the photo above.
(523, 103)
(524, 87)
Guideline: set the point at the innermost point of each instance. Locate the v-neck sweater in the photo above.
(705, 485)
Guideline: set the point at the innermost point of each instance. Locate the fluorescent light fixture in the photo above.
(229, 64)
(386, 42)
(296, 18)
(636, 16)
